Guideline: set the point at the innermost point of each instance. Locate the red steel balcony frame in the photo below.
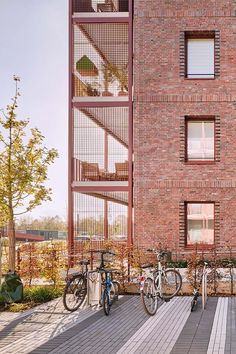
(129, 103)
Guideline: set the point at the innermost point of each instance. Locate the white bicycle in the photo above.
(163, 284)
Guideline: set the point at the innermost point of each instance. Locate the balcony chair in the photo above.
(90, 171)
(108, 6)
(122, 171)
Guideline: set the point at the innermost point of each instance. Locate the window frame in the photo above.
(203, 119)
(199, 245)
(198, 35)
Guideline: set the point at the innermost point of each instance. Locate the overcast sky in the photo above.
(33, 45)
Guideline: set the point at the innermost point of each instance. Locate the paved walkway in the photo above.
(128, 329)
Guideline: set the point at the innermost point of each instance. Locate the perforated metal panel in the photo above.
(101, 138)
(100, 6)
(101, 59)
(99, 216)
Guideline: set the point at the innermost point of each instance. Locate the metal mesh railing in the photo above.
(100, 216)
(100, 5)
(100, 59)
(101, 144)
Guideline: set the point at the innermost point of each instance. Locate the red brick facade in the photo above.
(163, 97)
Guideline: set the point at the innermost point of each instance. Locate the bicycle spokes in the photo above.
(149, 296)
(171, 283)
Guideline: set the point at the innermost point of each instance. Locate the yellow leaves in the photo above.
(24, 164)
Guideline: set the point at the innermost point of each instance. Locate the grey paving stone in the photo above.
(99, 334)
(230, 342)
(195, 335)
(100, 329)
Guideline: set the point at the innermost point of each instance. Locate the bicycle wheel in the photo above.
(171, 283)
(74, 293)
(106, 302)
(149, 297)
(114, 292)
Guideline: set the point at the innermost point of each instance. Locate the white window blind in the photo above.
(201, 145)
(200, 58)
(200, 224)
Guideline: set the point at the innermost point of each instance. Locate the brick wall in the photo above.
(162, 98)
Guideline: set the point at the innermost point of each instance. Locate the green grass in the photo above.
(41, 294)
(33, 296)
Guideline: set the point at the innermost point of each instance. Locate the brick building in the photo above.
(154, 164)
(185, 123)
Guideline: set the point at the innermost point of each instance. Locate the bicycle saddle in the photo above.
(84, 262)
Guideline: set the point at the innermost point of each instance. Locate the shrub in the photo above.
(39, 294)
(177, 264)
(28, 263)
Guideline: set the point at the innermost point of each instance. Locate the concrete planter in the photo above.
(224, 285)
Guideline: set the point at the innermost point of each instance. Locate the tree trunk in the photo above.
(12, 245)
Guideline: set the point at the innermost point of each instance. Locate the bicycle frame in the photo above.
(158, 278)
(157, 274)
(107, 282)
(83, 271)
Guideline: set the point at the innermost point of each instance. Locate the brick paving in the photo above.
(128, 329)
(230, 342)
(196, 333)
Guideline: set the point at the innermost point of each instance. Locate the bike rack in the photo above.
(204, 289)
(94, 288)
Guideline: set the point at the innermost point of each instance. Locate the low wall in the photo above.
(223, 286)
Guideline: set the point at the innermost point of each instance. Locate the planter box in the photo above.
(224, 285)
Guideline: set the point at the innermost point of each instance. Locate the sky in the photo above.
(34, 46)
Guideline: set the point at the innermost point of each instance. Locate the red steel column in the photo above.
(130, 153)
(70, 141)
(105, 220)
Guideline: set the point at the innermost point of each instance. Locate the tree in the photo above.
(24, 164)
(53, 223)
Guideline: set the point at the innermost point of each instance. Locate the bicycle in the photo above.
(164, 284)
(76, 288)
(196, 291)
(110, 287)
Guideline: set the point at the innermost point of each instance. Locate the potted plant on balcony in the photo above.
(108, 78)
(123, 80)
(86, 67)
(121, 74)
(93, 89)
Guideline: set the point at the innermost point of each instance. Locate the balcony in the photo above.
(100, 6)
(100, 146)
(100, 69)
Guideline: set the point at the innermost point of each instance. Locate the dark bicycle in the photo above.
(76, 288)
(196, 290)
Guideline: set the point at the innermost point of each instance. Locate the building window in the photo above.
(200, 223)
(200, 139)
(200, 55)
